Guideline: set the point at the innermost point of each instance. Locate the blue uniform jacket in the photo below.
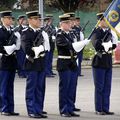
(27, 39)
(64, 47)
(101, 60)
(6, 62)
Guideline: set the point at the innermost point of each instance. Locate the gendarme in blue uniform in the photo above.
(8, 65)
(35, 86)
(67, 69)
(102, 69)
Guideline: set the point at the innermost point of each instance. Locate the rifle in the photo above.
(49, 30)
(71, 52)
(99, 53)
(37, 42)
(83, 29)
(39, 39)
(12, 39)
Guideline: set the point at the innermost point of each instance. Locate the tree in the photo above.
(67, 5)
(103, 4)
(7, 4)
(28, 4)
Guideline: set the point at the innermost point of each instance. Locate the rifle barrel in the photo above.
(85, 25)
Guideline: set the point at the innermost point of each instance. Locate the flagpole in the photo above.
(100, 19)
(41, 10)
(110, 5)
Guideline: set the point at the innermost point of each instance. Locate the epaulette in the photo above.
(30, 28)
(59, 31)
(25, 29)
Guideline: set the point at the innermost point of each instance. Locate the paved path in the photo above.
(85, 98)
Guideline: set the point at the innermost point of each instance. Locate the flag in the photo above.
(112, 16)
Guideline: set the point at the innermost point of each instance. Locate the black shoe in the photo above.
(81, 75)
(109, 113)
(44, 112)
(5, 113)
(50, 76)
(100, 113)
(14, 114)
(76, 109)
(22, 76)
(9, 113)
(53, 73)
(42, 116)
(65, 115)
(74, 114)
(34, 116)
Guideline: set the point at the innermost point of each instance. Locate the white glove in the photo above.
(77, 61)
(38, 50)
(10, 49)
(86, 41)
(81, 36)
(53, 37)
(18, 42)
(78, 46)
(107, 45)
(1, 55)
(114, 37)
(46, 41)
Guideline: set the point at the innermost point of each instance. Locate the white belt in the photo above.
(6, 54)
(109, 52)
(65, 57)
(41, 55)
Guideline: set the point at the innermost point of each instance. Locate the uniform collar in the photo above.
(24, 26)
(33, 28)
(67, 32)
(105, 29)
(7, 28)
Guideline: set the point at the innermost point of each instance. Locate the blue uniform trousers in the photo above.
(74, 79)
(80, 57)
(48, 62)
(21, 59)
(67, 90)
(102, 81)
(7, 90)
(35, 92)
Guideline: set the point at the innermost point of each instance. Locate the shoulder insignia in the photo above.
(59, 31)
(25, 29)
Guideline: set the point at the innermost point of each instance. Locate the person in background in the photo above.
(51, 31)
(80, 36)
(13, 22)
(104, 40)
(22, 24)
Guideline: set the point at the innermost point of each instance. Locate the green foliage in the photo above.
(68, 5)
(6, 4)
(88, 53)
